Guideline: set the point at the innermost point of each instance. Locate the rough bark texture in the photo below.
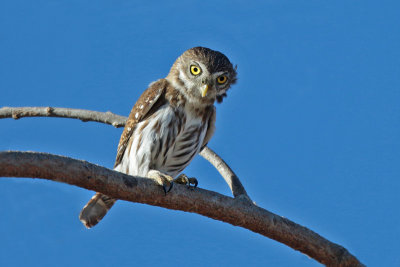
(239, 211)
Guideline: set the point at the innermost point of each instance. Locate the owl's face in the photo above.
(204, 75)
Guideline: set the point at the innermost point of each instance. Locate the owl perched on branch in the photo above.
(170, 123)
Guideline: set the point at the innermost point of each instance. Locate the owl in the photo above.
(170, 123)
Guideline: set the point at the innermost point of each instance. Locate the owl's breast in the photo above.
(166, 141)
(182, 138)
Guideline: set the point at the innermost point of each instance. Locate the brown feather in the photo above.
(145, 106)
(95, 209)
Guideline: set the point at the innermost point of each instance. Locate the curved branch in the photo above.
(226, 172)
(200, 201)
(119, 121)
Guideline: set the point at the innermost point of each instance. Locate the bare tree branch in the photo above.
(119, 121)
(81, 114)
(226, 172)
(200, 201)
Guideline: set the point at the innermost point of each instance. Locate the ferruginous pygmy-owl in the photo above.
(170, 123)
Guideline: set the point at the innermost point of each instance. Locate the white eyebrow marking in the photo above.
(219, 73)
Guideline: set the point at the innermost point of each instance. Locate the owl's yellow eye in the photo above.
(195, 70)
(222, 79)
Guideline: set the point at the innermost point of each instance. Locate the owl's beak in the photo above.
(204, 89)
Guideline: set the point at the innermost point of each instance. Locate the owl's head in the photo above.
(203, 75)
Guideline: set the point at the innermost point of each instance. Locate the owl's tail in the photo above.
(96, 209)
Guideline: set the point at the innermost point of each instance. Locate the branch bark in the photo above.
(143, 190)
(81, 114)
(226, 172)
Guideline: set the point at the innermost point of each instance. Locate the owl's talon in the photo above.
(194, 182)
(183, 179)
(169, 188)
(164, 180)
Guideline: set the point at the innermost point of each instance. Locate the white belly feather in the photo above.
(164, 142)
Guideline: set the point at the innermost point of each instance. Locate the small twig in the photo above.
(200, 201)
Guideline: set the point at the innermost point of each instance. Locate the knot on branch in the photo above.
(49, 111)
(16, 113)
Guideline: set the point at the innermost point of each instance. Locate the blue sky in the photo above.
(312, 127)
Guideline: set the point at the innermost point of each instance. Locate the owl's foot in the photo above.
(164, 180)
(183, 179)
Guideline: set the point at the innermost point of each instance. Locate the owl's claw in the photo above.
(166, 190)
(183, 179)
(167, 182)
(193, 181)
(164, 180)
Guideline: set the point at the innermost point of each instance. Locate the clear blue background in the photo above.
(312, 127)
